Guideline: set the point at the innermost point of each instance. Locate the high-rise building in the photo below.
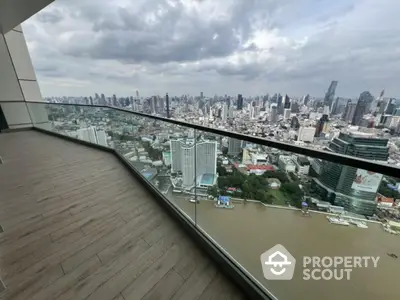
(286, 114)
(234, 146)
(362, 105)
(390, 107)
(167, 103)
(114, 100)
(349, 111)
(354, 189)
(273, 115)
(92, 135)
(321, 125)
(286, 103)
(201, 95)
(240, 102)
(196, 160)
(224, 112)
(280, 104)
(335, 106)
(306, 99)
(330, 94)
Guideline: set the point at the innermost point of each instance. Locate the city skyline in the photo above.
(237, 46)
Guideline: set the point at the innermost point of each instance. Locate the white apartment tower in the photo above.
(193, 159)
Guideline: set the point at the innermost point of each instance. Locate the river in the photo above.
(250, 229)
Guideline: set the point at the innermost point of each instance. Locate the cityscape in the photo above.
(254, 182)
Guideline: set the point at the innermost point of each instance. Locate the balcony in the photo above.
(78, 225)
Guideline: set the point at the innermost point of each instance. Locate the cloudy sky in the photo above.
(80, 47)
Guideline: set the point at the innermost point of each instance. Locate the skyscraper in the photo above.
(273, 115)
(390, 107)
(321, 125)
(240, 102)
(330, 94)
(335, 106)
(349, 111)
(197, 161)
(234, 146)
(286, 103)
(354, 189)
(167, 103)
(306, 99)
(362, 105)
(280, 105)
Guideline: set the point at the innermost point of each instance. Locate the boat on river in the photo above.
(338, 221)
(224, 202)
(358, 223)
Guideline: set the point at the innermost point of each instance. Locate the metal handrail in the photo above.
(365, 164)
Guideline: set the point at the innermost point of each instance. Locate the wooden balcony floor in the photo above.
(77, 225)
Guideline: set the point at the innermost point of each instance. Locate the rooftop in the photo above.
(77, 225)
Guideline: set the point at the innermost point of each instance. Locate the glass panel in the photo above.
(145, 143)
(248, 198)
(264, 197)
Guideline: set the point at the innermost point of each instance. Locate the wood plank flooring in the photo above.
(77, 225)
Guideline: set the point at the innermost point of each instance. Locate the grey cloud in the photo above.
(352, 43)
(50, 17)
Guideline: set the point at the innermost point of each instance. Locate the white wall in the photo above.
(18, 81)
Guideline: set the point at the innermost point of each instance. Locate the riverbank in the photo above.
(252, 228)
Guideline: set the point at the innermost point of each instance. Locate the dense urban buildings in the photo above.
(354, 189)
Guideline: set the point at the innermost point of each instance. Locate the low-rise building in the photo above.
(286, 163)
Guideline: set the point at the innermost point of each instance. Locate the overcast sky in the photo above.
(80, 47)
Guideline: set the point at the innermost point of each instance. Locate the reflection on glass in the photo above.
(248, 197)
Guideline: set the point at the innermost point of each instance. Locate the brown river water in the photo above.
(250, 229)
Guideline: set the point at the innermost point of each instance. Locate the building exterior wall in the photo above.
(18, 84)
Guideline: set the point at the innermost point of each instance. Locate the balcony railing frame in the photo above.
(360, 163)
(226, 264)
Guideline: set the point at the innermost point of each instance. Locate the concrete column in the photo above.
(18, 82)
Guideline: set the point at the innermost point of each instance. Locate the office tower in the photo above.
(390, 107)
(201, 95)
(294, 107)
(286, 103)
(362, 105)
(280, 105)
(349, 111)
(160, 108)
(90, 134)
(234, 146)
(240, 102)
(335, 106)
(321, 125)
(195, 161)
(306, 134)
(103, 99)
(114, 100)
(230, 112)
(354, 189)
(167, 102)
(137, 94)
(306, 99)
(286, 114)
(330, 94)
(224, 113)
(274, 98)
(273, 115)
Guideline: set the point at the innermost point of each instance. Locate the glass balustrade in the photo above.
(247, 198)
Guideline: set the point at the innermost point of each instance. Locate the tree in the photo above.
(213, 191)
(221, 171)
(260, 195)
